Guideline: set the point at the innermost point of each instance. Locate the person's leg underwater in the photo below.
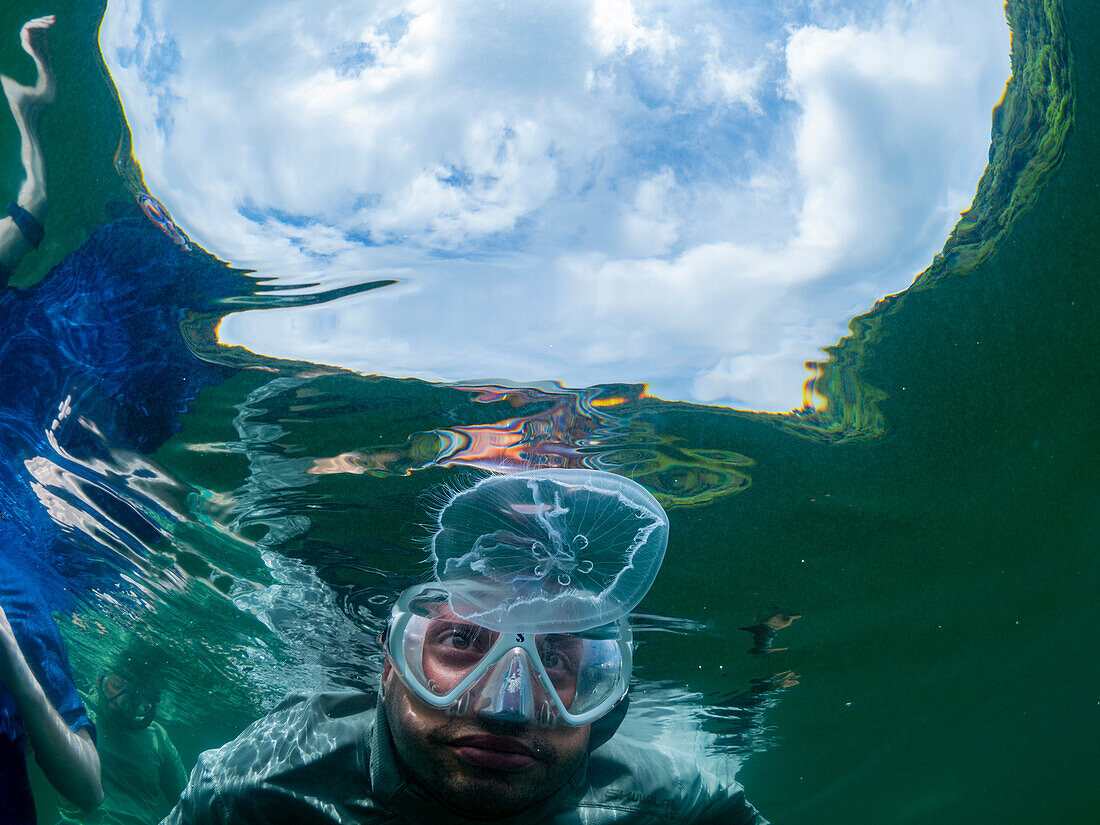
(21, 230)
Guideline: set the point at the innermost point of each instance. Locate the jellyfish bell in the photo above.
(549, 551)
(526, 621)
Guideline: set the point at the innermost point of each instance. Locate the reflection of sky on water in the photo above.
(683, 194)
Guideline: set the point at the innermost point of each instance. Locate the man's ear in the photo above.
(383, 637)
(388, 675)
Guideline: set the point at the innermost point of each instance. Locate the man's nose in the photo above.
(509, 690)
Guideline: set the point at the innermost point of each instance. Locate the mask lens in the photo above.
(562, 656)
(598, 675)
(113, 686)
(451, 650)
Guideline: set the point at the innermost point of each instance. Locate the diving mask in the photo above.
(129, 705)
(509, 674)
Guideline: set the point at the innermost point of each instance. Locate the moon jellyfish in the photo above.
(549, 550)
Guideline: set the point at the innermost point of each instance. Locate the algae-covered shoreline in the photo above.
(1031, 126)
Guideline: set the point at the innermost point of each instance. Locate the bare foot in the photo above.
(27, 101)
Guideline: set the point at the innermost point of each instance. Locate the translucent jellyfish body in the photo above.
(549, 551)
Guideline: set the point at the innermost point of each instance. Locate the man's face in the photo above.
(124, 702)
(480, 767)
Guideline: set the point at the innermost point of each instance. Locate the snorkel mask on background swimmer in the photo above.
(127, 705)
(536, 574)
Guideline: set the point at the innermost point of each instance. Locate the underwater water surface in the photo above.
(929, 516)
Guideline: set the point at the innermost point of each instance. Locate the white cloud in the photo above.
(616, 27)
(651, 227)
(730, 83)
(589, 191)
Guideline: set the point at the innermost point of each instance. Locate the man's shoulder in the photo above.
(305, 762)
(629, 777)
(302, 733)
(322, 709)
(159, 738)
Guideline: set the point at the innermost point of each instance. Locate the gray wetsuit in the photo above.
(328, 759)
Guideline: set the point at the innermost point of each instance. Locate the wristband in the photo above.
(28, 224)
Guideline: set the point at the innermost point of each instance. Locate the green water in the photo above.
(934, 528)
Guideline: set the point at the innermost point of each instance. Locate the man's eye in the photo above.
(555, 656)
(553, 660)
(462, 638)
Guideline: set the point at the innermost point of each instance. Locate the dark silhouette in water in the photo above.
(767, 626)
(142, 771)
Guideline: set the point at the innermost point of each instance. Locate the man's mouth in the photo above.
(500, 753)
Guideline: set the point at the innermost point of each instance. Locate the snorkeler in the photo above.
(505, 682)
(22, 230)
(142, 770)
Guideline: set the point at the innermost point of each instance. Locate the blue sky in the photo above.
(697, 195)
